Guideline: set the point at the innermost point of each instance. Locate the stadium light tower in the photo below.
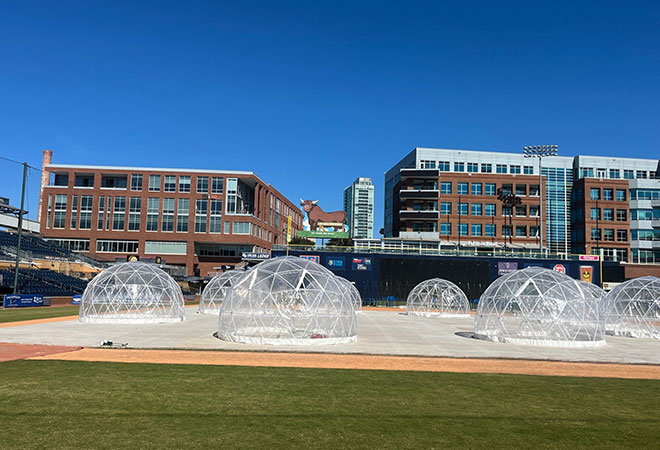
(540, 152)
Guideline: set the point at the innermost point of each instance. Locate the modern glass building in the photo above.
(359, 207)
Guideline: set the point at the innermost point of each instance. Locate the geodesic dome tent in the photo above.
(216, 291)
(633, 308)
(353, 293)
(132, 292)
(437, 298)
(288, 301)
(537, 306)
(592, 291)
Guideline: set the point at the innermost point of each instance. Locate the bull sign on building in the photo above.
(323, 224)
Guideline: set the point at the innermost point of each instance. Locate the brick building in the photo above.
(200, 219)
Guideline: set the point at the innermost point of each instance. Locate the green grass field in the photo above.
(17, 314)
(55, 404)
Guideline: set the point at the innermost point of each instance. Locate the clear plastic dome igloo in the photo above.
(132, 292)
(539, 306)
(437, 298)
(216, 291)
(633, 308)
(353, 293)
(288, 301)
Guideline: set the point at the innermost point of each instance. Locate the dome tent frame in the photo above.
(288, 301)
(132, 293)
(437, 298)
(632, 308)
(216, 291)
(537, 306)
(353, 293)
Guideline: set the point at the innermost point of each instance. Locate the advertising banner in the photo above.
(335, 263)
(23, 300)
(75, 300)
(506, 267)
(255, 256)
(323, 234)
(361, 263)
(589, 258)
(315, 258)
(559, 268)
(587, 273)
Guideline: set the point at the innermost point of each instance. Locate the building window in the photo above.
(443, 166)
(445, 229)
(462, 188)
(423, 165)
(594, 194)
(628, 174)
(74, 211)
(184, 183)
(136, 182)
(507, 189)
(621, 215)
(514, 169)
(167, 223)
(86, 212)
(445, 208)
(595, 234)
(608, 194)
(533, 190)
(169, 184)
(459, 167)
(534, 231)
(500, 168)
(521, 190)
(476, 229)
(134, 210)
(641, 174)
(242, 227)
(473, 167)
(153, 208)
(99, 224)
(201, 207)
(110, 246)
(489, 209)
(490, 230)
(462, 209)
(608, 214)
(620, 195)
(119, 214)
(615, 173)
(476, 188)
(490, 189)
(507, 211)
(202, 185)
(506, 230)
(445, 187)
(622, 235)
(462, 229)
(216, 216)
(608, 234)
(182, 215)
(476, 209)
(521, 231)
(165, 248)
(595, 214)
(521, 211)
(486, 168)
(586, 172)
(528, 170)
(74, 245)
(217, 185)
(533, 211)
(154, 183)
(228, 230)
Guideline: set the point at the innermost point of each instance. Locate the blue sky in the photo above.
(312, 94)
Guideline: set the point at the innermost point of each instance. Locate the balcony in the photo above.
(421, 235)
(418, 193)
(418, 215)
(420, 173)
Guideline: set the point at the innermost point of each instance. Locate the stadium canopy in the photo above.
(132, 292)
(288, 301)
(437, 298)
(538, 306)
(216, 291)
(633, 308)
(353, 293)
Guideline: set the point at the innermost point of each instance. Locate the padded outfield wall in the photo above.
(379, 276)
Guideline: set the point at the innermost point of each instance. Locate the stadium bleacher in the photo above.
(45, 282)
(34, 245)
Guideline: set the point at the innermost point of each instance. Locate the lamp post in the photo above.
(540, 152)
(509, 201)
(459, 225)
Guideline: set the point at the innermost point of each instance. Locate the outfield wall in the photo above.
(379, 276)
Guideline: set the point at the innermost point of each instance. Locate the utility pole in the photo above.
(20, 228)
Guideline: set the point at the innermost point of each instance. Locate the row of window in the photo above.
(588, 172)
(485, 230)
(480, 209)
(608, 194)
(473, 167)
(489, 189)
(608, 235)
(607, 214)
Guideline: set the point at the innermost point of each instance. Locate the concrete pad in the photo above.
(379, 333)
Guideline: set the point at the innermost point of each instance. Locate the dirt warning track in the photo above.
(364, 362)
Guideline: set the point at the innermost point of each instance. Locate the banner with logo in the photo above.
(587, 273)
(335, 263)
(23, 300)
(506, 267)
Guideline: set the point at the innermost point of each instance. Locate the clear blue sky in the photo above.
(312, 94)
